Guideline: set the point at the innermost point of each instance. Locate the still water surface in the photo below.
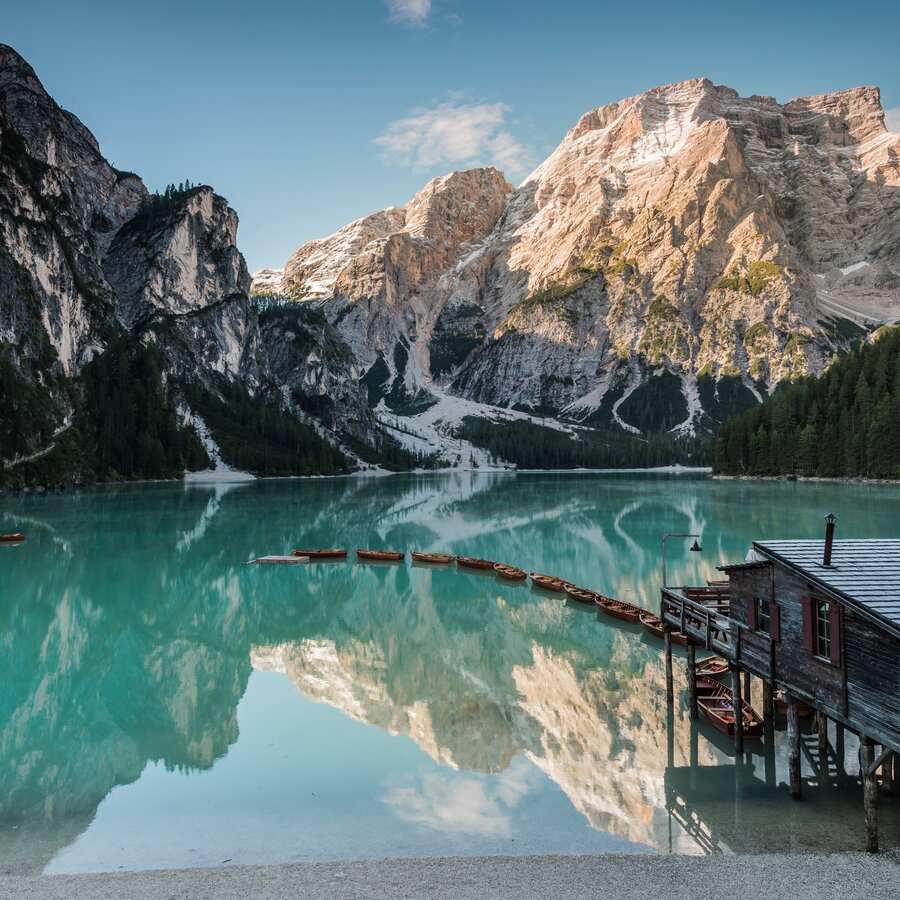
(165, 705)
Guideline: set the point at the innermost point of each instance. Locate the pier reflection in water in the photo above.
(167, 705)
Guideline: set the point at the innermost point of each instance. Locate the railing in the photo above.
(698, 622)
(708, 625)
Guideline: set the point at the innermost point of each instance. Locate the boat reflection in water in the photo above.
(539, 722)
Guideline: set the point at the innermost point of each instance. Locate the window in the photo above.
(763, 615)
(822, 625)
(823, 633)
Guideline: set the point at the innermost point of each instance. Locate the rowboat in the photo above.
(380, 555)
(322, 554)
(580, 595)
(718, 707)
(548, 582)
(434, 558)
(619, 610)
(653, 625)
(278, 560)
(779, 699)
(14, 538)
(712, 666)
(470, 562)
(510, 573)
(706, 685)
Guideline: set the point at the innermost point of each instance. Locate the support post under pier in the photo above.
(692, 678)
(738, 710)
(793, 725)
(667, 640)
(870, 793)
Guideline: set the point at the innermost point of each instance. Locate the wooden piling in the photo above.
(822, 721)
(887, 774)
(793, 725)
(667, 641)
(870, 793)
(738, 710)
(839, 749)
(692, 679)
(768, 702)
(747, 695)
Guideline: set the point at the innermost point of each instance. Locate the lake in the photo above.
(165, 705)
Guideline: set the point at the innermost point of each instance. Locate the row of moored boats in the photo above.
(617, 609)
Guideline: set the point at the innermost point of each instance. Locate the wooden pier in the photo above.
(819, 621)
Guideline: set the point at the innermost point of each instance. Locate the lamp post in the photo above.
(696, 548)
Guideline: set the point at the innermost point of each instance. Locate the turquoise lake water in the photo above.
(165, 705)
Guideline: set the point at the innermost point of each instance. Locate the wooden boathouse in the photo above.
(818, 620)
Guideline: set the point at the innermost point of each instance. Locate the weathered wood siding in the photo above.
(872, 661)
(863, 691)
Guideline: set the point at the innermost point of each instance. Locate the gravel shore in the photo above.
(843, 876)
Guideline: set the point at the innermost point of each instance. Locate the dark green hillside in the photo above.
(532, 446)
(846, 423)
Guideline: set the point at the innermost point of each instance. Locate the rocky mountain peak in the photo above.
(857, 112)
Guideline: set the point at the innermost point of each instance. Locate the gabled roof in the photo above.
(865, 574)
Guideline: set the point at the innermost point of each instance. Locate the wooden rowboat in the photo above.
(380, 555)
(322, 554)
(706, 685)
(278, 560)
(580, 595)
(14, 538)
(653, 625)
(712, 666)
(470, 562)
(718, 707)
(441, 559)
(619, 610)
(510, 573)
(548, 582)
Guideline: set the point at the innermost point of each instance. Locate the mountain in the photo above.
(679, 255)
(129, 345)
(845, 423)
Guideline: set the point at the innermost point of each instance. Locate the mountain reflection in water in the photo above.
(131, 627)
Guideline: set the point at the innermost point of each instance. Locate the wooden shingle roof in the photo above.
(865, 573)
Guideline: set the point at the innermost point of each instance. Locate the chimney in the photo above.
(830, 519)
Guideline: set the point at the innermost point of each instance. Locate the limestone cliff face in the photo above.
(86, 254)
(386, 278)
(177, 275)
(685, 230)
(317, 370)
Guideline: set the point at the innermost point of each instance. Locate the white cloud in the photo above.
(454, 133)
(458, 804)
(892, 119)
(410, 12)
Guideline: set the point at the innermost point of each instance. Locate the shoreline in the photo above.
(209, 478)
(838, 479)
(841, 876)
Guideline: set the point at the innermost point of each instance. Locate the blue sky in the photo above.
(307, 115)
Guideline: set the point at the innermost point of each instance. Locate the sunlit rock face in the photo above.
(686, 229)
(604, 742)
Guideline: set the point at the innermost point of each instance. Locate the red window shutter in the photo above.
(835, 633)
(809, 643)
(751, 613)
(774, 622)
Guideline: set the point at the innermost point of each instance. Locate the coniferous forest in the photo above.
(843, 424)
